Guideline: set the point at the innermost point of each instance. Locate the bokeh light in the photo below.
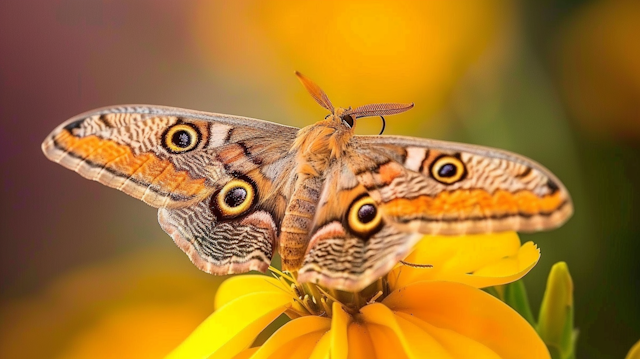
(599, 68)
(396, 50)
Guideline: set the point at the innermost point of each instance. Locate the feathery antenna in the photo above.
(373, 110)
(315, 91)
(380, 109)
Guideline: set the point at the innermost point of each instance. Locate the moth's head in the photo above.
(341, 116)
(347, 117)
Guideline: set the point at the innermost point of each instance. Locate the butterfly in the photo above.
(340, 209)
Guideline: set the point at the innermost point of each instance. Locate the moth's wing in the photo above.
(219, 246)
(123, 147)
(498, 191)
(338, 256)
(133, 148)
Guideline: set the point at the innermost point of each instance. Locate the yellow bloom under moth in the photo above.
(634, 352)
(435, 310)
(233, 326)
(479, 261)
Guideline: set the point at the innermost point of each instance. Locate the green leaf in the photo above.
(515, 295)
(494, 292)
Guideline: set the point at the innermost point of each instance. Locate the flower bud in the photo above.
(555, 322)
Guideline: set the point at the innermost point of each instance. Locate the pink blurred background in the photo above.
(85, 271)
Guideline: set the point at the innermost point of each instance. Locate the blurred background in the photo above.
(87, 272)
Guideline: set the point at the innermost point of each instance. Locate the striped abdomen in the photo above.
(297, 222)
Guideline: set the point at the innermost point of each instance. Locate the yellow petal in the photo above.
(238, 286)
(471, 313)
(323, 348)
(456, 345)
(415, 342)
(528, 254)
(634, 353)
(246, 354)
(385, 342)
(339, 323)
(360, 345)
(288, 336)
(299, 348)
(466, 252)
(477, 260)
(233, 327)
(505, 270)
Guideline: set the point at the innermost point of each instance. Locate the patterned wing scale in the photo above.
(496, 190)
(338, 259)
(422, 187)
(122, 147)
(221, 247)
(338, 256)
(179, 161)
(127, 157)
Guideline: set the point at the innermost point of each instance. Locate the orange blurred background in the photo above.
(87, 272)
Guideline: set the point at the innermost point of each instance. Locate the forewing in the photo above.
(123, 147)
(129, 148)
(497, 191)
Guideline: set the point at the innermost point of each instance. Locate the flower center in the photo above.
(312, 299)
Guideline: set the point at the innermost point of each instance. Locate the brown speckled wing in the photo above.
(339, 255)
(421, 187)
(180, 161)
(437, 187)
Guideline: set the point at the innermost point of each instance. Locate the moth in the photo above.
(340, 209)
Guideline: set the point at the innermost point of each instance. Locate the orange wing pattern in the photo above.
(404, 188)
(184, 162)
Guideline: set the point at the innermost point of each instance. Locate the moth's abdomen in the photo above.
(298, 220)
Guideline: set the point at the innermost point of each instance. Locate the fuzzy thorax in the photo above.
(319, 144)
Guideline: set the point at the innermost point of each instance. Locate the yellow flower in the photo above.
(124, 307)
(415, 311)
(634, 353)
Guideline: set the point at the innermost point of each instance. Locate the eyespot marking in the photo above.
(181, 138)
(235, 196)
(448, 169)
(364, 218)
(234, 199)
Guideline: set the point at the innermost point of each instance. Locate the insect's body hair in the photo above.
(316, 146)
